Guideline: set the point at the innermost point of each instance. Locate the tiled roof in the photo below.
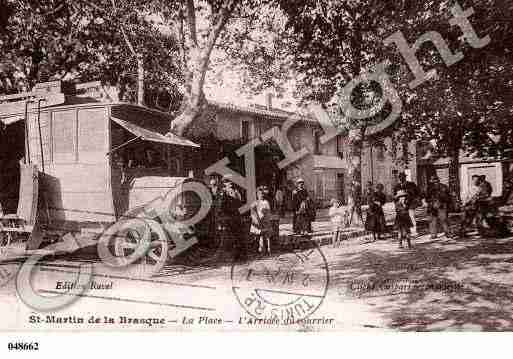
(259, 110)
(464, 159)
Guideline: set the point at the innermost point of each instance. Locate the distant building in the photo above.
(325, 169)
(495, 170)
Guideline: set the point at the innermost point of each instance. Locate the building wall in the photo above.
(229, 125)
(326, 171)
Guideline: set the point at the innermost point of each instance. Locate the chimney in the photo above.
(269, 100)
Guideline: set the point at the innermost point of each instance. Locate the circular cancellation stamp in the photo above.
(288, 288)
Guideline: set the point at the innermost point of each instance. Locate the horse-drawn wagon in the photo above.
(85, 165)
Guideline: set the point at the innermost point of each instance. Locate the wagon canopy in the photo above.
(152, 136)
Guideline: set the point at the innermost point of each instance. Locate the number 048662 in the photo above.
(20, 346)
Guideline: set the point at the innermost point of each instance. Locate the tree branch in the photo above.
(183, 51)
(221, 19)
(191, 17)
(57, 9)
(93, 5)
(123, 32)
(181, 38)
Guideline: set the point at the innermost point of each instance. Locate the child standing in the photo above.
(402, 218)
(374, 221)
(261, 225)
(337, 220)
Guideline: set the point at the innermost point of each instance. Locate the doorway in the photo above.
(341, 188)
(12, 150)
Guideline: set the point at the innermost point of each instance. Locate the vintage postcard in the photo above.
(223, 165)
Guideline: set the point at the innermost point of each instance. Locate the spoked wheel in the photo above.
(143, 246)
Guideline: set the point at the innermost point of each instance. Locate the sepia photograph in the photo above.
(242, 166)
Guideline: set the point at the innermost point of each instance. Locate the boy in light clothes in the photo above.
(261, 225)
(339, 216)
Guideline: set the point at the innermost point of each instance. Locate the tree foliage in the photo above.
(198, 26)
(335, 40)
(85, 40)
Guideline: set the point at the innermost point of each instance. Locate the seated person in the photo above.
(476, 202)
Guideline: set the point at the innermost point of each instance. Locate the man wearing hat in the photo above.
(402, 217)
(230, 220)
(438, 199)
(301, 221)
(228, 187)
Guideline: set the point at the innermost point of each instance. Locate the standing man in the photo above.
(412, 198)
(230, 220)
(301, 222)
(212, 219)
(438, 200)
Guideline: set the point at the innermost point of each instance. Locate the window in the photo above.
(340, 146)
(380, 152)
(295, 139)
(64, 136)
(317, 142)
(244, 132)
(258, 129)
(91, 135)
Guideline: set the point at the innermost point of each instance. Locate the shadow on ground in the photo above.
(440, 284)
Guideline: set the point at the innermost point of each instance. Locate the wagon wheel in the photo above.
(152, 251)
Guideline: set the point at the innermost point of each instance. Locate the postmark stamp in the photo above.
(288, 287)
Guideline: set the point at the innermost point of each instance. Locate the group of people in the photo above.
(407, 198)
(266, 211)
(227, 222)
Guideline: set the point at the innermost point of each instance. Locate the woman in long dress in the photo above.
(375, 221)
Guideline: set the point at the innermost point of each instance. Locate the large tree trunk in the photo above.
(195, 59)
(140, 80)
(356, 143)
(454, 173)
(194, 105)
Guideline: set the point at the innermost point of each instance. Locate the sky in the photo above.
(229, 90)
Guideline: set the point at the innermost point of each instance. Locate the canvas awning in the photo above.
(148, 135)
